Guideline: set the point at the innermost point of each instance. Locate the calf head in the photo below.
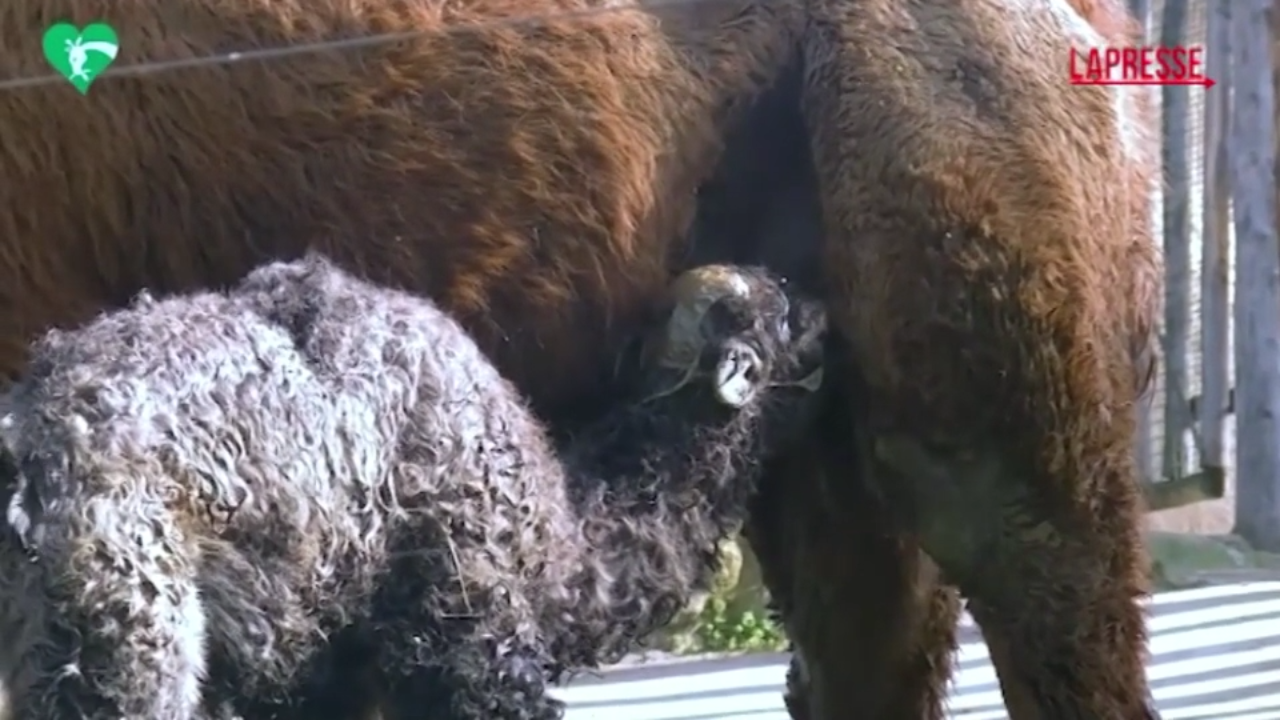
(737, 340)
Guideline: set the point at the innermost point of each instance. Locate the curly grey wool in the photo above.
(223, 504)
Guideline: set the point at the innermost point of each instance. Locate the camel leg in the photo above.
(874, 628)
(1054, 579)
(882, 648)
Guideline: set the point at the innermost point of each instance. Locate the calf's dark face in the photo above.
(761, 346)
(737, 345)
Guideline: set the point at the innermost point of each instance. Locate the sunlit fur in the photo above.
(991, 262)
(209, 494)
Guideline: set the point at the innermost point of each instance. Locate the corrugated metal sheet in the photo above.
(1215, 656)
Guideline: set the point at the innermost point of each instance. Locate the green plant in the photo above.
(719, 629)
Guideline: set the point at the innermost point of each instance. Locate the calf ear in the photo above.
(808, 320)
(811, 382)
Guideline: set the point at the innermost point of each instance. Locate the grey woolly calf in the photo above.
(224, 504)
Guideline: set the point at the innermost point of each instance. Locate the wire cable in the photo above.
(281, 51)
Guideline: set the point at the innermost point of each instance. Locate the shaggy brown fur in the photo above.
(209, 487)
(989, 231)
(535, 180)
(561, 161)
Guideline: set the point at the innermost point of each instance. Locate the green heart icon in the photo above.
(80, 55)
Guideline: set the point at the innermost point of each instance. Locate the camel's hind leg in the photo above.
(123, 631)
(1054, 582)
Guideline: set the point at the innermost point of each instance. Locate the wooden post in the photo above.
(1144, 448)
(1257, 296)
(1175, 131)
(1141, 11)
(1215, 291)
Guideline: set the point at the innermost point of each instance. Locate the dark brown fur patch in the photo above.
(535, 179)
(992, 264)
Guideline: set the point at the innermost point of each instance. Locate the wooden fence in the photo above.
(1187, 433)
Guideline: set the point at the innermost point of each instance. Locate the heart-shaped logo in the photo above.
(80, 55)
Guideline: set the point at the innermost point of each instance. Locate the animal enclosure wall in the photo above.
(1188, 432)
